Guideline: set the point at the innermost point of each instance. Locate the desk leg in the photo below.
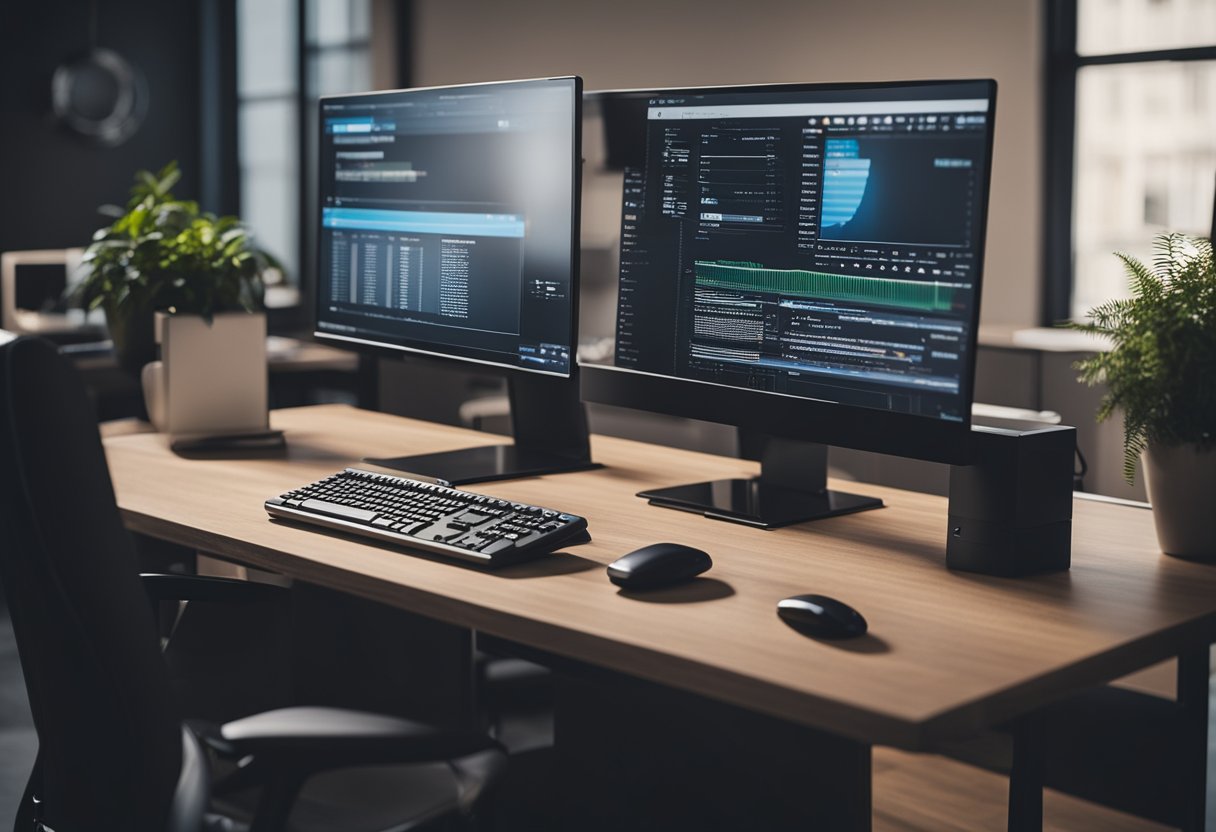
(632, 755)
(1193, 676)
(1026, 777)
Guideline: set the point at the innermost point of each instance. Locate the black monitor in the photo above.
(804, 262)
(1212, 235)
(448, 227)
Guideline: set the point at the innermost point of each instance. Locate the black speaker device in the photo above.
(1011, 510)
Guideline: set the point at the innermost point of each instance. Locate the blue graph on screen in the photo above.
(844, 182)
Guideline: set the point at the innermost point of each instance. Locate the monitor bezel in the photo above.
(384, 349)
(792, 417)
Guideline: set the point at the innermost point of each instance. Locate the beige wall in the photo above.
(632, 43)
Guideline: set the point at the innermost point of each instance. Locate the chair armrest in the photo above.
(319, 738)
(166, 587)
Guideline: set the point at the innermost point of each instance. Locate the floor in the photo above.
(911, 792)
(922, 792)
(18, 742)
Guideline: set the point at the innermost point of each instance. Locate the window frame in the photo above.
(227, 164)
(1063, 63)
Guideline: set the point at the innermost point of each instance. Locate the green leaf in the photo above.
(167, 178)
(1161, 370)
(165, 252)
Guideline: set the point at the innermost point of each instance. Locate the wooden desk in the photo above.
(947, 654)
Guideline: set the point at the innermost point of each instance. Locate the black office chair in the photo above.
(114, 752)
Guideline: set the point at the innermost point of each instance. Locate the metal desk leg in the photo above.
(1193, 675)
(1026, 777)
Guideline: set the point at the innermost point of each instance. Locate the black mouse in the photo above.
(821, 616)
(660, 564)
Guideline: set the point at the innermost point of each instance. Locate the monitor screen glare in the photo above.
(448, 220)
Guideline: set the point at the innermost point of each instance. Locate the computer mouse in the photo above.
(657, 565)
(821, 616)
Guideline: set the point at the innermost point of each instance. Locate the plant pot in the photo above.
(132, 333)
(1181, 483)
(211, 379)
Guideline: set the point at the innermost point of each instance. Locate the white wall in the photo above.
(633, 43)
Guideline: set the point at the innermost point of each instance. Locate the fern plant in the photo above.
(164, 253)
(1161, 369)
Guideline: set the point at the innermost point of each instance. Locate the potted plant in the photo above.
(1160, 372)
(164, 254)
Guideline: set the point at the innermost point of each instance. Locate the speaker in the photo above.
(1011, 510)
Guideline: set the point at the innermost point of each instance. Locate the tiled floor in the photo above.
(949, 795)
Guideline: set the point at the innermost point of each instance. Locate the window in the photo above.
(268, 126)
(276, 91)
(1131, 138)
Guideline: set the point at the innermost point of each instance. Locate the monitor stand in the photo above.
(549, 424)
(792, 488)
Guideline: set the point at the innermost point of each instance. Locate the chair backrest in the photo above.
(109, 738)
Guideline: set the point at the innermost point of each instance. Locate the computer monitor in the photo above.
(34, 298)
(1212, 234)
(804, 262)
(448, 227)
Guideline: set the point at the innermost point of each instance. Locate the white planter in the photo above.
(1181, 483)
(211, 379)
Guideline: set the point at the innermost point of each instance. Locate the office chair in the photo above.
(114, 753)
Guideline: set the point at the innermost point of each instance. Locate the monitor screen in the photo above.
(448, 222)
(813, 243)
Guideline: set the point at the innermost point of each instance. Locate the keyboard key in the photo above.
(498, 546)
(338, 510)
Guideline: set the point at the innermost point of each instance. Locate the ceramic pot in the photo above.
(132, 333)
(211, 379)
(1181, 483)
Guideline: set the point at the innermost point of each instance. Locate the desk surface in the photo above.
(947, 653)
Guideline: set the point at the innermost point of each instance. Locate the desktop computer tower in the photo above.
(1010, 511)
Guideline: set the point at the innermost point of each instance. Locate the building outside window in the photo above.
(1144, 156)
(276, 93)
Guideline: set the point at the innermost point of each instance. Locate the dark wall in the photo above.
(53, 181)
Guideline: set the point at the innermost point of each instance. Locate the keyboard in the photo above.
(431, 517)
